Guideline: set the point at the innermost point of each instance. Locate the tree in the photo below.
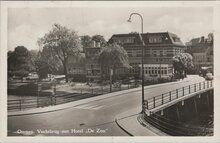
(99, 38)
(19, 61)
(86, 41)
(19, 57)
(46, 63)
(33, 54)
(62, 43)
(182, 63)
(113, 56)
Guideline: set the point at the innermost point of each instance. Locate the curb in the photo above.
(143, 123)
(123, 128)
(152, 128)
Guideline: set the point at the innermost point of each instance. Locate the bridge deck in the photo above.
(165, 100)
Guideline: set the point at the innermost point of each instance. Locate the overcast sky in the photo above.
(26, 25)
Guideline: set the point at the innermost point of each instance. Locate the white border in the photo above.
(39, 4)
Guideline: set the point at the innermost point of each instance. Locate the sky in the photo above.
(26, 25)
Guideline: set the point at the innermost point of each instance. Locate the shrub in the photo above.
(77, 77)
(20, 73)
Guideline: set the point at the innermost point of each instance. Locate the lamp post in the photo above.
(142, 58)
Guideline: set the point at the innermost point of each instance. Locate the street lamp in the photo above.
(142, 58)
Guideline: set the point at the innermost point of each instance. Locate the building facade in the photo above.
(92, 68)
(202, 51)
(76, 66)
(159, 48)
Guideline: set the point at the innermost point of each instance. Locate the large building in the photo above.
(202, 51)
(76, 65)
(159, 48)
(93, 69)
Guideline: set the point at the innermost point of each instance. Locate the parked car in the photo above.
(32, 76)
(209, 76)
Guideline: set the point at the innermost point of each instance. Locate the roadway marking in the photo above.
(89, 106)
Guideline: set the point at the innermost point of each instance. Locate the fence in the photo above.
(43, 101)
(175, 94)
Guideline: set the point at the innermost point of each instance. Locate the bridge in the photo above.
(168, 111)
(102, 111)
(160, 102)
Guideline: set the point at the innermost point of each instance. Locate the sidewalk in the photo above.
(133, 125)
(87, 100)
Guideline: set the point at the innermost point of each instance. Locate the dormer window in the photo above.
(124, 40)
(176, 39)
(155, 39)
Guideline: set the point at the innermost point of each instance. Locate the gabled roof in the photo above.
(195, 41)
(137, 40)
(200, 45)
(166, 37)
(202, 49)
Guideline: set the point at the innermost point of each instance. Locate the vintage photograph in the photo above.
(110, 71)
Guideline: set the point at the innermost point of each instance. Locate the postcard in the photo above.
(109, 71)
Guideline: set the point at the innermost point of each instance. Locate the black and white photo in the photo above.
(110, 70)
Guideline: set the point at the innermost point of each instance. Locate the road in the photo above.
(96, 118)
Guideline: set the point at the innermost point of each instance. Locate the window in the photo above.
(165, 72)
(176, 39)
(161, 53)
(134, 53)
(154, 53)
(155, 39)
(208, 59)
(158, 53)
(164, 52)
(124, 40)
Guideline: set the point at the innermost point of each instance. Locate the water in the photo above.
(205, 121)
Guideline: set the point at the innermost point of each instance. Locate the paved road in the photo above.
(90, 119)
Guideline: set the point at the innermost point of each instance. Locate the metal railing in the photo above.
(175, 94)
(51, 100)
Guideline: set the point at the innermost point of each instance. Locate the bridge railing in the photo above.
(177, 93)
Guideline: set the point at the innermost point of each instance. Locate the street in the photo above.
(96, 118)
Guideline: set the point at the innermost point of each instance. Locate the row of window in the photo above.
(136, 70)
(93, 72)
(150, 70)
(156, 39)
(77, 71)
(90, 66)
(154, 53)
(124, 40)
(156, 72)
(152, 39)
(138, 52)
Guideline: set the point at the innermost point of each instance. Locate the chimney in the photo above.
(202, 39)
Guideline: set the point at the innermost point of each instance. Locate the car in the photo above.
(209, 76)
(32, 76)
